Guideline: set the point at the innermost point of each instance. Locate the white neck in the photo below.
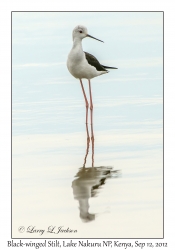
(77, 42)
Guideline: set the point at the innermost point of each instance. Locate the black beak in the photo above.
(95, 38)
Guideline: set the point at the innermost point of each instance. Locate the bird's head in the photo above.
(80, 32)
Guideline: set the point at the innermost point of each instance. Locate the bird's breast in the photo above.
(75, 61)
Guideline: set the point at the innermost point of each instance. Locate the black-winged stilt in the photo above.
(84, 65)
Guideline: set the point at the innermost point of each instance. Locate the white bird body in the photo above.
(78, 65)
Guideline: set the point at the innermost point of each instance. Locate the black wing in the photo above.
(107, 67)
(94, 62)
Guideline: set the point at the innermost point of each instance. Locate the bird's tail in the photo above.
(106, 67)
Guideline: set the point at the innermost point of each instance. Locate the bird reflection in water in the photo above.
(88, 182)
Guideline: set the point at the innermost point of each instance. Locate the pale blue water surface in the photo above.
(122, 196)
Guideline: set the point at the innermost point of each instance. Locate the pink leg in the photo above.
(87, 106)
(86, 101)
(91, 104)
(92, 133)
(91, 108)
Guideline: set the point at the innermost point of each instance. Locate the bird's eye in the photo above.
(80, 31)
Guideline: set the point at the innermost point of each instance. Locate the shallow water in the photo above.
(121, 196)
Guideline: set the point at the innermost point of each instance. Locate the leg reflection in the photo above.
(87, 147)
